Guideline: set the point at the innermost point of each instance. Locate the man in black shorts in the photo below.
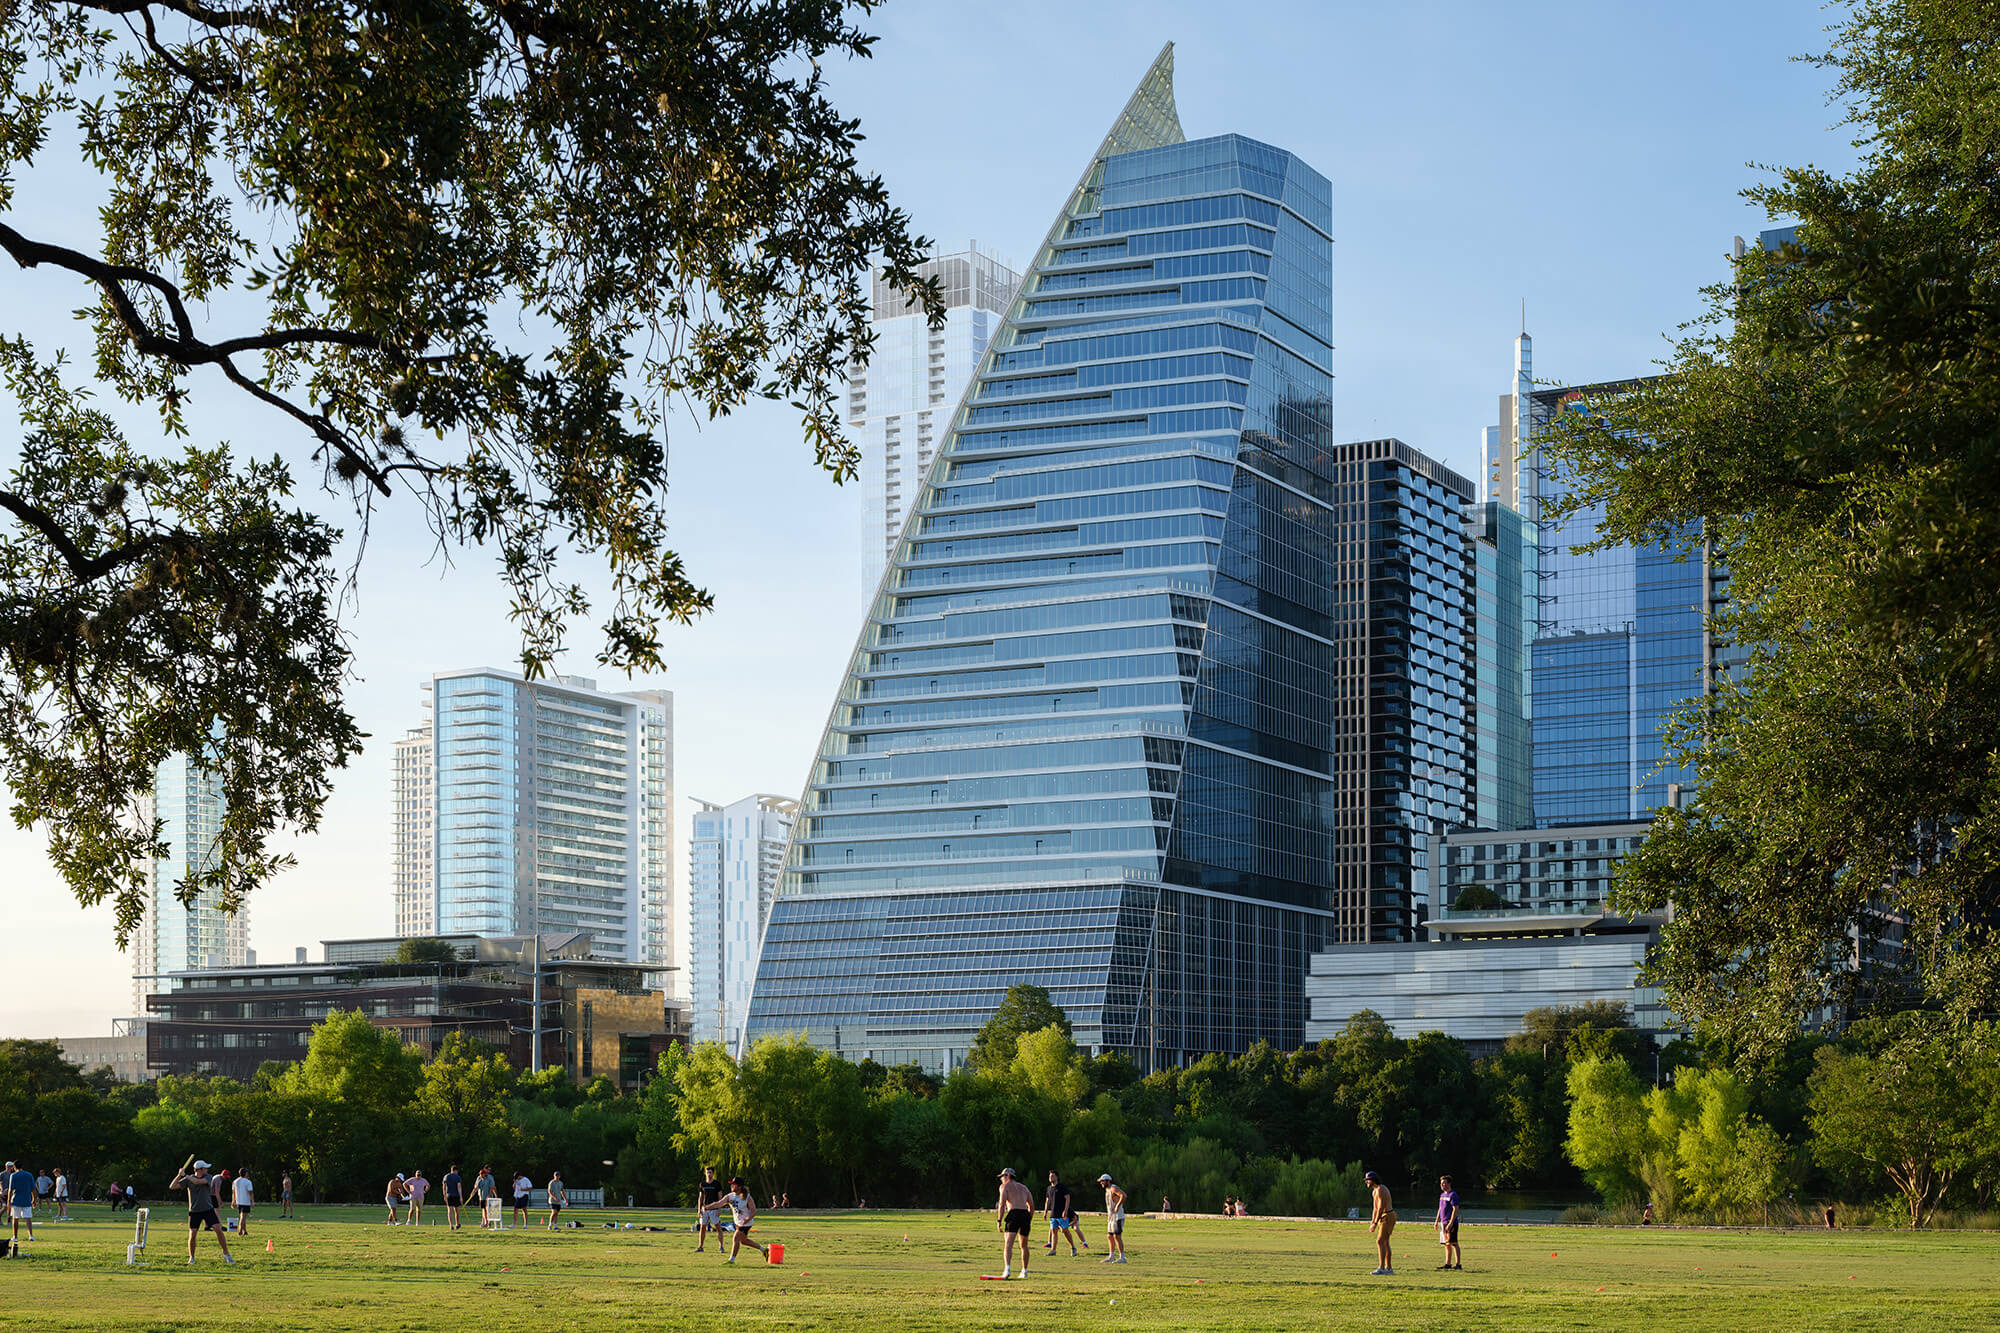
(708, 1202)
(201, 1208)
(454, 1195)
(1014, 1214)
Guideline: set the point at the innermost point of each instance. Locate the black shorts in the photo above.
(1018, 1220)
(555, 1208)
(453, 1201)
(206, 1218)
(243, 1210)
(520, 1201)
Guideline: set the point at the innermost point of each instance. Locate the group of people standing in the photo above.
(1382, 1224)
(1014, 1215)
(408, 1191)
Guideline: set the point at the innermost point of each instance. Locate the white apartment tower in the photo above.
(413, 798)
(735, 857)
(901, 402)
(551, 810)
(177, 937)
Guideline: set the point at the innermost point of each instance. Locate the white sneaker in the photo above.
(228, 1258)
(1109, 1259)
(1006, 1273)
(190, 1261)
(1121, 1258)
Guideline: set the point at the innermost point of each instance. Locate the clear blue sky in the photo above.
(1584, 157)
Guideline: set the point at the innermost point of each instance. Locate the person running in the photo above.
(393, 1194)
(245, 1195)
(524, 1194)
(454, 1196)
(1014, 1215)
(1056, 1205)
(285, 1194)
(708, 1205)
(1381, 1224)
(62, 1195)
(416, 1188)
(20, 1187)
(201, 1208)
(1114, 1219)
(557, 1198)
(1448, 1224)
(744, 1209)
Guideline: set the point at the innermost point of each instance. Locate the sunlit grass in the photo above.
(342, 1270)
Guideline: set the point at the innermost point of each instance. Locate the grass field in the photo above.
(340, 1269)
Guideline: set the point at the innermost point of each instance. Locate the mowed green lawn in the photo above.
(340, 1269)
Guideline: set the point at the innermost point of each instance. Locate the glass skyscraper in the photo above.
(554, 811)
(1114, 726)
(177, 936)
(1623, 641)
(1504, 614)
(735, 855)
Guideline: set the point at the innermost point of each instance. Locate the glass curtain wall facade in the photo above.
(553, 811)
(1503, 618)
(735, 856)
(1088, 739)
(177, 936)
(1622, 641)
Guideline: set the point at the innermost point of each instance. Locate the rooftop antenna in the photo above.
(1524, 314)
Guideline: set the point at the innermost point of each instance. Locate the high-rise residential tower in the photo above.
(174, 936)
(735, 856)
(1502, 617)
(1508, 463)
(1112, 727)
(553, 811)
(412, 798)
(899, 404)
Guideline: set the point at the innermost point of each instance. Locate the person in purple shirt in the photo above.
(1448, 1224)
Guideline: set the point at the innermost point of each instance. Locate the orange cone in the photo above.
(269, 1248)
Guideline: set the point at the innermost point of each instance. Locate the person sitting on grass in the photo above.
(745, 1210)
(201, 1208)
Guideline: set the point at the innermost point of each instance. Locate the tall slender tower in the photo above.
(1113, 720)
(1509, 461)
(412, 799)
(900, 402)
(176, 936)
(735, 856)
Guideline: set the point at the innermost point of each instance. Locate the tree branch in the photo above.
(205, 15)
(188, 350)
(86, 568)
(231, 83)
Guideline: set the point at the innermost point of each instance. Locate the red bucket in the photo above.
(777, 1255)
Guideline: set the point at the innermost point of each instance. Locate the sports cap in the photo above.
(202, 1165)
(1105, 1178)
(1369, 1175)
(1006, 1173)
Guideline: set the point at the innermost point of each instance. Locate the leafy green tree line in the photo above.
(1901, 1108)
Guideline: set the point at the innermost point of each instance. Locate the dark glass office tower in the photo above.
(1110, 728)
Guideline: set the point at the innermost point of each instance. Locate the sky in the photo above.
(1585, 159)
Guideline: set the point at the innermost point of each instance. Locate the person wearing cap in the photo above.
(1014, 1214)
(1114, 1219)
(1381, 1224)
(557, 1198)
(393, 1195)
(201, 1208)
(20, 1187)
(744, 1208)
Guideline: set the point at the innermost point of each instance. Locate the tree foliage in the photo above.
(425, 951)
(468, 256)
(1830, 428)
(1022, 1010)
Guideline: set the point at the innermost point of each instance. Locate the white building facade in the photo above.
(413, 798)
(552, 811)
(735, 857)
(177, 936)
(900, 403)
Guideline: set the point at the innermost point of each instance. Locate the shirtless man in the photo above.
(1014, 1214)
(1381, 1225)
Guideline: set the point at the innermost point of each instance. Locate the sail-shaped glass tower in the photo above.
(1091, 737)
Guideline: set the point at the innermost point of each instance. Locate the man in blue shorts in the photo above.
(1056, 1203)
